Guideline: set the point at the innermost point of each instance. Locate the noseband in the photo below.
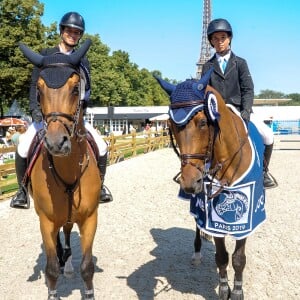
(185, 158)
(55, 116)
(206, 157)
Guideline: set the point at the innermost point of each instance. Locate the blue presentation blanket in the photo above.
(239, 209)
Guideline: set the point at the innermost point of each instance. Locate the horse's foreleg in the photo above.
(238, 263)
(87, 233)
(67, 253)
(221, 258)
(196, 258)
(59, 251)
(52, 270)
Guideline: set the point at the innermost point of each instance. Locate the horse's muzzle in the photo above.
(190, 185)
(60, 146)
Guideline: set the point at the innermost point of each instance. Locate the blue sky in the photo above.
(165, 35)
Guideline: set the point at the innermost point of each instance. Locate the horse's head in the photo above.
(194, 115)
(61, 89)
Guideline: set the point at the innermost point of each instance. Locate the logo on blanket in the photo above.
(232, 206)
(236, 211)
(231, 210)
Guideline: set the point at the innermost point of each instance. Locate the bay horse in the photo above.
(64, 180)
(221, 171)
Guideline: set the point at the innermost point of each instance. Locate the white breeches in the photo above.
(28, 136)
(264, 130)
(102, 145)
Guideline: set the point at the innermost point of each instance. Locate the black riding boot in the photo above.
(20, 199)
(269, 181)
(105, 195)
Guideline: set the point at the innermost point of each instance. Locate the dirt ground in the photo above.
(144, 241)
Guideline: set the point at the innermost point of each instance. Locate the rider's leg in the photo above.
(105, 194)
(21, 198)
(268, 180)
(268, 139)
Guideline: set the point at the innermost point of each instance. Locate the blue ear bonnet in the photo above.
(189, 97)
(56, 78)
(190, 90)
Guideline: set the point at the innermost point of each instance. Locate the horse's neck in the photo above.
(232, 148)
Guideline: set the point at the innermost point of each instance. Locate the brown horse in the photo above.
(218, 171)
(65, 180)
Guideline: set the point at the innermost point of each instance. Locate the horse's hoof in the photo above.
(89, 295)
(224, 289)
(224, 293)
(52, 295)
(196, 259)
(237, 295)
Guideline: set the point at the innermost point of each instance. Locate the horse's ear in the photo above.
(35, 58)
(200, 86)
(206, 76)
(77, 55)
(167, 86)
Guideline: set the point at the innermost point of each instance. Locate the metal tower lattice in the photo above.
(205, 53)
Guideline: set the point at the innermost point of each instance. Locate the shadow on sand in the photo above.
(65, 286)
(172, 268)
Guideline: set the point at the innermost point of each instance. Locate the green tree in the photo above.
(295, 99)
(115, 79)
(269, 94)
(20, 22)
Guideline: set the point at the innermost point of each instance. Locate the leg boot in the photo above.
(105, 195)
(20, 199)
(269, 181)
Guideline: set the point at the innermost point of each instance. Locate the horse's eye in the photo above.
(202, 123)
(76, 90)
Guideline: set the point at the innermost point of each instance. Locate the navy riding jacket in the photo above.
(235, 85)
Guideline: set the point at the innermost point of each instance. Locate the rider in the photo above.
(71, 28)
(235, 84)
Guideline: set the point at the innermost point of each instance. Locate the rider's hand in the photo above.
(245, 114)
(37, 115)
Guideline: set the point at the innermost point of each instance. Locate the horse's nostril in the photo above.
(64, 141)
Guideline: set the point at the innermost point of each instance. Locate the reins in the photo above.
(69, 188)
(73, 132)
(54, 116)
(207, 158)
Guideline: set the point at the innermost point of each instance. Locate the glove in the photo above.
(37, 115)
(245, 114)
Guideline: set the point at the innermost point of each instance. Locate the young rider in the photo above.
(232, 79)
(71, 28)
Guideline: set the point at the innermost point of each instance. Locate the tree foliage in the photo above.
(20, 20)
(115, 79)
(269, 94)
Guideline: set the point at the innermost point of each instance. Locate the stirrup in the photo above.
(105, 195)
(20, 199)
(274, 182)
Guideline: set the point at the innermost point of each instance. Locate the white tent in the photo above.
(163, 117)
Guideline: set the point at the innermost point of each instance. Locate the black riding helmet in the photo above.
(218, 25)
(72, 19)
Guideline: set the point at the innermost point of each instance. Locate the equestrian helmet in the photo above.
(218, 25)
(72, 19)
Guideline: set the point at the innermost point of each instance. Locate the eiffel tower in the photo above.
(205, 53)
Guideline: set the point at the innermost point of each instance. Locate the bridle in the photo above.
(206, 170)
(73, 118)
(73, 131)
(185, 158)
